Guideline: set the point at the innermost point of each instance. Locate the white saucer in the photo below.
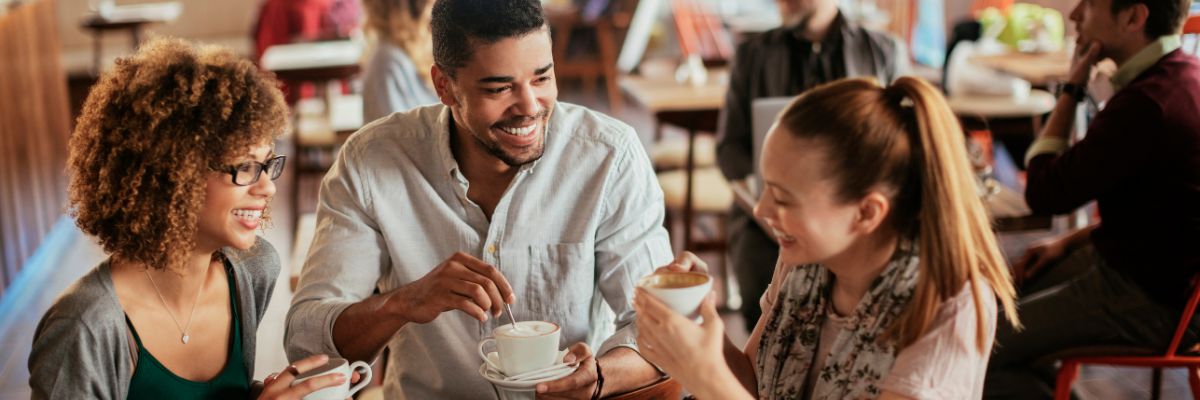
(496, 378)
(494, 357)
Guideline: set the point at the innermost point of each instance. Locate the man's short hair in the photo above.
(1166, 16)
(458, 25)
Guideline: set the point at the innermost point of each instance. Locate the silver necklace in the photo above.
(182, 329)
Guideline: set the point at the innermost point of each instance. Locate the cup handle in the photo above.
(484, 355)
(364, 374)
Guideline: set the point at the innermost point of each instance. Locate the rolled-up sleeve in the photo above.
(344, 263)
(630, 240)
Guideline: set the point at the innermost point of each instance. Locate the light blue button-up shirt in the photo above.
(572, 233)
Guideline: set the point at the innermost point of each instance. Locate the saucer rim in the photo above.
(521, 384)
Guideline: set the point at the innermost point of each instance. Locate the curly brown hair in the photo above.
(150, 132)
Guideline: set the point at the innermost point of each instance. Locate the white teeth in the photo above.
(519, 131)
(248, 214)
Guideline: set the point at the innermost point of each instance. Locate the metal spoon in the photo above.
(511, 316)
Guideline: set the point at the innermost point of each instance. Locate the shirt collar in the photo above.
(1144, 59)
(449, 164)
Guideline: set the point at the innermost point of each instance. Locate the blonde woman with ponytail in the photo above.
(397, 73)
(889, 278)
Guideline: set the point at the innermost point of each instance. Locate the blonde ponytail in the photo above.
(957, 245)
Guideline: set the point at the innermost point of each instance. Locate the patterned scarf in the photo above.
(856, 361)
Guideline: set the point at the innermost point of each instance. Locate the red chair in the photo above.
(1138, 357)
(1192, 28)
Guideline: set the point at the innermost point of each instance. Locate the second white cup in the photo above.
(681, 291)
(337, 366)
(529, 346)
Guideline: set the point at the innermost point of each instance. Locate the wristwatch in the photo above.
(1077, 92)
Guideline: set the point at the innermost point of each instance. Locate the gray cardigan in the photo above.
(81, 349)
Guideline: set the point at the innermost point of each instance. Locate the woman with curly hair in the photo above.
(889, 280)
(397, 73)
(166, 169)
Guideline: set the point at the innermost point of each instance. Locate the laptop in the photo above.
(763, 113)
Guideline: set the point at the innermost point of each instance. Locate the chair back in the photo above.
(1188, 312)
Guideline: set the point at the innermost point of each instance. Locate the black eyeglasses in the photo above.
(247, 173)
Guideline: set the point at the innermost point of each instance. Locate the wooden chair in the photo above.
(1137, 357)
(607, 31)
(1191, 27)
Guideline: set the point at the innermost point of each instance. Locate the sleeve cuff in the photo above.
(1045, 145)
(624, 337)
(313, 333)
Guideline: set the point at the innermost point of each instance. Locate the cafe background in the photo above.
(51, 50)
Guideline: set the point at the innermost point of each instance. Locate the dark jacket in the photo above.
(777, 63)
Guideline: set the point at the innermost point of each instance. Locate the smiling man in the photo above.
(431, 220)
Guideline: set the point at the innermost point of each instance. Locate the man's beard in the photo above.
(495, 150)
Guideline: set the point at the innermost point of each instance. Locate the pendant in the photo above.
(185, 338)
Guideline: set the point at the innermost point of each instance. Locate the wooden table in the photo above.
(98, 25)
(1039, 102)
(1010, 213)
(130, 17)
(1041, 69)
(1015, 122)
(693, 108)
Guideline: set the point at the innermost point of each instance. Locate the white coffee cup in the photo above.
(529, 346)
(681, 291)
(337, 366)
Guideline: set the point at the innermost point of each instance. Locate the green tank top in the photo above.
(152, 380)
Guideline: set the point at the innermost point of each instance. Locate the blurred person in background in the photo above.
(1125, 280)
(397, 73)
(815, 45)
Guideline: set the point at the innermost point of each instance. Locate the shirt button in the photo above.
(491, 249)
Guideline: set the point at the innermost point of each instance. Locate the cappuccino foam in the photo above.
(526, 329)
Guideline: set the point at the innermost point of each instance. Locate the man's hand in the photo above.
(580, 384)
(1037, 257)
(460, 283)
(1084, 59)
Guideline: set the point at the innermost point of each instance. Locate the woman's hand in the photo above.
(686, 261)
(279, 386)
(689, 353)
